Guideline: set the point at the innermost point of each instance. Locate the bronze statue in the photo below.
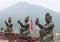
(46, 31)
(9, 25)
(24, 30)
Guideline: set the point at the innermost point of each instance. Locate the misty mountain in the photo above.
(20, 10)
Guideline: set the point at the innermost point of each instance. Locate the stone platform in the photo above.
(12, 37)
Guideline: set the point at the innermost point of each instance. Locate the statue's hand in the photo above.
(37, 21)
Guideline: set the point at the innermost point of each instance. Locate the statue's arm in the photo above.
(20, 23)
(49, 26)
(40, 26)
(6, 23)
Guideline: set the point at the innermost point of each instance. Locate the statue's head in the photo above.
(26, 19)
(48, 17)
(9, 19)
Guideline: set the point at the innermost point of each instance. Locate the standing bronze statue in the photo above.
(46, 31)
(24, 30)
(9, 25)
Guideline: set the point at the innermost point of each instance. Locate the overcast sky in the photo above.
(51, 4)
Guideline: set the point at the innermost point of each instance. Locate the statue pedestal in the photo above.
(20, 40)
(9, 35)
(25, 37)
(2, 35)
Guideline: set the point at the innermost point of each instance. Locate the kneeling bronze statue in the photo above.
(46, 31)
(9, 25)
(24, 30)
